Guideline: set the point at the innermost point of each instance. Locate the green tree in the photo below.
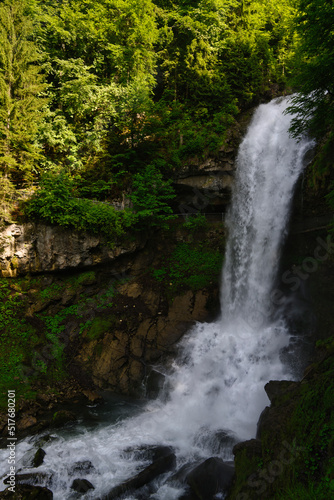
(101, 69)
(313, 106)
(21, 83)
(151, 196)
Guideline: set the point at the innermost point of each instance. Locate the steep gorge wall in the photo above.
(103, 308)
(35, 248)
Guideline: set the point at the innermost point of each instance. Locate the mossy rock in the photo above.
(63, 417)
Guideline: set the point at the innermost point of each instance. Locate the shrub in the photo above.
(56, 202)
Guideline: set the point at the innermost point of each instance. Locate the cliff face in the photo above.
(205, 185)
(35, 248)
(78, 310)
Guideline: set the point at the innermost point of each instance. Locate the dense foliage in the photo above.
(107, 89)
(313, 106)
(314, 68)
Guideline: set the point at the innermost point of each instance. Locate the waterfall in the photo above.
(216, 389)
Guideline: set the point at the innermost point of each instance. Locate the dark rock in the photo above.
(265, 415)
(274, 419)
(252, 447)
(38, 458)
(210, 477)
(180, 475)
(63, 417)
(275, 389)
(32, 458)
(81, 485)
(27, 492)
(162, 464)
(222, 440)
(84, 467)
(154, 384)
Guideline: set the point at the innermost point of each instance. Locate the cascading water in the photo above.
(216, 386)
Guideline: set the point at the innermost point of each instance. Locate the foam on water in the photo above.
(215, 391)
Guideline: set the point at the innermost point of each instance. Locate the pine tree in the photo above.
(20, 86)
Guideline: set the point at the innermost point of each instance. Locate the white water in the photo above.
(217, 382)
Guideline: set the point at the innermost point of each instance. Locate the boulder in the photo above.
(81, 485)
(63, 417)
(32, 458)
(154, 384)
(38, 457)
(278, 389)
(84, 467)
(164, 463)
(209, 478)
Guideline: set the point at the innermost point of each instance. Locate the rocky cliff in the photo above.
(35, 248)
(102, 318)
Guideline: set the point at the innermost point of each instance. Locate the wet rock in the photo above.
(164, 463)
(38, 458)
(63, 417)
(154, 384)
(93, 397)
(32, 458)
(84, 467)
(180, 475)
(209, 478)
(26, 421)
(252, 447)
(276, 389)
(81, 485)
(217, 441)
(222, 440)
(27, 492)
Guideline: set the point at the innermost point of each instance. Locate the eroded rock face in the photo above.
(206, 186)
(121, 359)
(35, 248)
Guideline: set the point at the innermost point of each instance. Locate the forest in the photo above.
(106, 99)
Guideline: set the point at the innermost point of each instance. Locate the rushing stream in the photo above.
(215, 393)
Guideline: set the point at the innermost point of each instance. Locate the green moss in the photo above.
(99, 327)
(14, 263)
(190, 266)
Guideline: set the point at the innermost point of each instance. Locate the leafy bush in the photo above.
(56, 202)
(195, 222)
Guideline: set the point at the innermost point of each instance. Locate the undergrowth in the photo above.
(190, 266)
